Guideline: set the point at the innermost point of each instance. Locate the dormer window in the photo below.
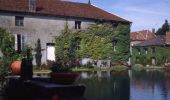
(77, 24)
(32, 5)
(19, 21)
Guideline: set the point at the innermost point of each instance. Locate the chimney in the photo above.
(153, 30)
(167, 37)
(89, 2)
(32, 5)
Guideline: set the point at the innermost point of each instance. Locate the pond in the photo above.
(130, 85)
(126, 85)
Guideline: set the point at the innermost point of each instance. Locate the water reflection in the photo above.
(130, 85)
(150, 85)
(106, 85)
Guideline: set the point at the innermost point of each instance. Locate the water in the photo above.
(145, 85)
(127, 85)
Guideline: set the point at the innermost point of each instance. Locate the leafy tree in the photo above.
(38, 54)
(8, 53)
(163, 29)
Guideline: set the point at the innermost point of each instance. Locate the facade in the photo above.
(154, 51)
(30, 20)
(140, 36)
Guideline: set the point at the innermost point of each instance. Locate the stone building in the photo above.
(155, 51)
(30, 20)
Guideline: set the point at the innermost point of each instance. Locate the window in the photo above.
(19, 21)
(137, 60)
(19, 42)
(77, 43)
(153, 50)
(146, 50)
(114, 42)
(77, 24)
(138, 51)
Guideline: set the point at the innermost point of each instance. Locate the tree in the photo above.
(8, 53)
(38, 54)
(163, 29)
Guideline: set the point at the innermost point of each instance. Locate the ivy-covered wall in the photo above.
(161, 55)
(96, 42)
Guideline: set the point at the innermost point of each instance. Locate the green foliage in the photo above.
(38, 54)
(119, 68)
(123, 44)
(8, 51)
(161, 55)
(163, 29)
(96, 42)
(66, 44)
(138, 67)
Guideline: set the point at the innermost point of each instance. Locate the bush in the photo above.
(119, 68)
(138, 67)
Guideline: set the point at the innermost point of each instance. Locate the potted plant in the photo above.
(61, 72)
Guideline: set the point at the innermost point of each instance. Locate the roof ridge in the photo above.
(109, 12)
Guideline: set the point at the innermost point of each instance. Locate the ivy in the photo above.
(96, 42)
(161, 55)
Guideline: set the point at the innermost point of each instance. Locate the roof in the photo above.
(159, 40)
(60, 8)
(142, 35)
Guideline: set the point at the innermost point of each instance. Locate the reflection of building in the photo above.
(29, 20)
(152, 84)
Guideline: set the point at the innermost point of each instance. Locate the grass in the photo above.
(41, 71)
(119, 68)
(136, 67)
(80, 69)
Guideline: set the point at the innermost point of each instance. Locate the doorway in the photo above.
(50, 51)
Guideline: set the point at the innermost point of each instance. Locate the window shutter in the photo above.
(16, 42)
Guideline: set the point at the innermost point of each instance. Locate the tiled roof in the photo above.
(141, 35)
(60, 8)
(159, 40)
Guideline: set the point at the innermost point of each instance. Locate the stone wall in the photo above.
(43, 27)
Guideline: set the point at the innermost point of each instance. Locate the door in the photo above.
(50, 51)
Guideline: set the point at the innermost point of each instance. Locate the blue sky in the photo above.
(145, 14)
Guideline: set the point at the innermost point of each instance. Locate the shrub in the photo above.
(138, 67)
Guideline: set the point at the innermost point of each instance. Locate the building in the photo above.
(140, 36)
(155, 51)
(30, 20)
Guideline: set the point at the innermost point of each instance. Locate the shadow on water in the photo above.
(106, 86)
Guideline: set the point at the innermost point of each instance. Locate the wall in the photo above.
(161, 55)
(43, 27)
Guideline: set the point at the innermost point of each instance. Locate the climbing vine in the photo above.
(96, 42)
(161, 55)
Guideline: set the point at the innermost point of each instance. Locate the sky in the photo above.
(144, 14)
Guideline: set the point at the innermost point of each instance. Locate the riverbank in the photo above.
(115, 68)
